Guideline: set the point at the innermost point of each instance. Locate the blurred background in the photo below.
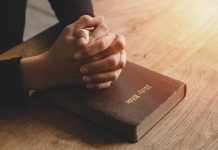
(39, 16)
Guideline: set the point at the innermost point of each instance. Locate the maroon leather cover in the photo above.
(138, 94)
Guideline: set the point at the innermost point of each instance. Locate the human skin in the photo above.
(100, 60)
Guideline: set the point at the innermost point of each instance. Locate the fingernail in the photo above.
(88, 86)
(86, 79)
(77, 56)
(83, 70)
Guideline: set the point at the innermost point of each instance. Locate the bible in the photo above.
(133, 104)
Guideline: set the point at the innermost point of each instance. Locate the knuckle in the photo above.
(121, 44)
(104, 27)
(79, 32)
(101, 45)
(112, 62)
(85, 18)
(67, 29)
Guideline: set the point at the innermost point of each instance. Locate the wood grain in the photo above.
(174, 37)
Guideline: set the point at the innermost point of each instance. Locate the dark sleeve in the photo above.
(12, 94)
(68, 11)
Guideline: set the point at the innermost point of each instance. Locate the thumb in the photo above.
(83, 37)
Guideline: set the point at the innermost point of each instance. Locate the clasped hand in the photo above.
(86, 52)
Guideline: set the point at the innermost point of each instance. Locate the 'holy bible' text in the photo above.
(137, 96)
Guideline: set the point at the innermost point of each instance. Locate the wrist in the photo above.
(35, 72)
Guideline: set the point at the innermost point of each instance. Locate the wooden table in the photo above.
(178, 38)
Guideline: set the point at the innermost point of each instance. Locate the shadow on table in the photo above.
(70, 126)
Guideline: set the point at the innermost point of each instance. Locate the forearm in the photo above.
(68, 11)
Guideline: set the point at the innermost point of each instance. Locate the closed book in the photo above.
(133, 104)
